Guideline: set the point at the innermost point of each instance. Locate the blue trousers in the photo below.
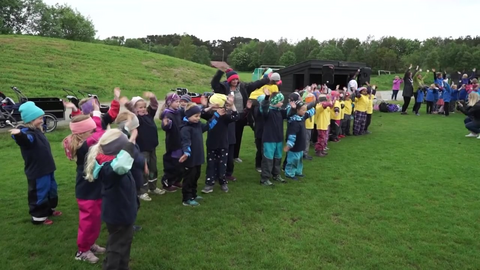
(272, 159)
(294, 164)
(42, 197)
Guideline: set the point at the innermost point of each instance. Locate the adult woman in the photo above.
(241, 92)
(472, 111)
(418, 84)
(408, 88)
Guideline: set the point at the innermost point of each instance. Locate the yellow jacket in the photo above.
(258, 92)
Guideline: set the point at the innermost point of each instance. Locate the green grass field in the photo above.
(43, 66)
(404, 197)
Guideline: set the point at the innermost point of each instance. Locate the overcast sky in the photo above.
(292, 19)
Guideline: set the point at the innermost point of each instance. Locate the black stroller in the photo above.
(73, 98)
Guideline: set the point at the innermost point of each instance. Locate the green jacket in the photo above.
(417, 83)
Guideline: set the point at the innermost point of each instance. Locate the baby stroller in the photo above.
(196, 97)
(72, 97)
(7, 109)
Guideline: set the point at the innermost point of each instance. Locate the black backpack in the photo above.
(383, 107)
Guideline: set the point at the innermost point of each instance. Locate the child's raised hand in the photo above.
(69, 105)
(428, 71)
(338, 87)
(204, 101)
(96, 107)
(433, 70)
(124, 100)
(148, 94)
(293, 105)
(231, 98)
(116, 93)
(183, 158)
(410, 67)
(474, 69)
(420, 70)
(416, 68)
(286, 148)
(166, 121)
(15, 131)
(221, 111)
(266, 91)
(459, 73)
(249, 104)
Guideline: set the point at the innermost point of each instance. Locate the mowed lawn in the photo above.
(404, 197)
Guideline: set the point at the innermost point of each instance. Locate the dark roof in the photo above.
(318, 64)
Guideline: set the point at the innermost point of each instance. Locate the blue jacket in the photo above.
(420, 95)
(447, 93)
(192, 140)
(431, 93)
(119, 193)
(463, 94)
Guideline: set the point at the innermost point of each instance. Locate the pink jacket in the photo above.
(396, 84)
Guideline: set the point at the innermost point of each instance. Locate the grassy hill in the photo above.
(41, 67)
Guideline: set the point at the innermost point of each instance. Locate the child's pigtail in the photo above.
(90, 162)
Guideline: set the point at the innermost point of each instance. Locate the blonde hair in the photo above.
(190, 105)
(465, 76)
(31, 126)
(123, 116)
(109, 136)
(472, 98)
(74, 141)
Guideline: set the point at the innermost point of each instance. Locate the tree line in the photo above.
(33, 17)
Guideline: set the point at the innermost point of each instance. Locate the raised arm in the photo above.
(22, 137)
(216, 82)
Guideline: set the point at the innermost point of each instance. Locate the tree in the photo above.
(184, 49)
(115, 41)
(11, 20)
(288, 59)
(269, 54)
(432, 60)
(134, 43)
(304, 47)
(239, 59)
(201, 55)
(330, 52)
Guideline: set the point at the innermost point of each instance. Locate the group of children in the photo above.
(116, 165)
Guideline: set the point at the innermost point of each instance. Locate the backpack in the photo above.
(392, 108)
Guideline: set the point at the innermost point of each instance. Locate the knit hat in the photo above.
(87, 107)
(294, 96)
(171, 98)
(82, 126)
(277, 99)
(218, 99)
(232, 75)
(134, 123)
(114, 147)
(275, 77)
(136, 99)
(186, 98)
(29, 112)
(192, 111)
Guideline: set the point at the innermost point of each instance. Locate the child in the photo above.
(193, 157)
(371, 96)
(419, 101)
(430, 98)
(335, 117)
(396, 87)
(39, 164)
(361, 105)
(271, 109)
(87, 107)
(322, 121)
(258, 130)
(309, 126)
(184, 100)
(296, 140)
(447, 96)
(171, 122)
(86, 131)
(147, 139)
(128, 124)
(218, 143)
(454, 97)
(347, 110)
(110, 162)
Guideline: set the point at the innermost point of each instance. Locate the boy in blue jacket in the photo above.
(419, 101)
(431, 98)
(447, 96)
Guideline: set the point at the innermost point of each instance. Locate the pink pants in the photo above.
(89, 224)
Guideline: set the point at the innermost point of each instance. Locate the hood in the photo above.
(100, 160)
(168, 111)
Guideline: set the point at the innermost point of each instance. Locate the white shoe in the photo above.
(145, 197)
(238, 160)
(478, 137)
(471, 135)
(86, 256)
(157, 191)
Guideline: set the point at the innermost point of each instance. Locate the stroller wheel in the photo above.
(50, 122)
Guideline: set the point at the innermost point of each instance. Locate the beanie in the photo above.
(171, 98)
(186, 98)
(218, 99)
(82, 126)
(135, 100)
(114, 147)
(277, 99)
(192, 111)
(275, 77)
(29, 112)
(294, 96)
(232, 75)
(87, 107)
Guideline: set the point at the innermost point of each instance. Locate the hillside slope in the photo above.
(41, 67)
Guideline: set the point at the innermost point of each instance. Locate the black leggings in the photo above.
(446, 108)
(429, 107)
(394, 94)
(406, 102)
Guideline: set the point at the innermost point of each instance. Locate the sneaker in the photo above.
(471, 135)
(198, 198)
(326, 149)
(191, 203)
(137, 228)
(292, 177)
(478, 137)
(266, 183)
(307, 157)
(157, 191)
(45, 222)
(96, 249)
(279, 179)
(178, 184)
(417, 114)
(207, 189)
(259, 170)
(231, 178)
(57, 213)
(170, 189)
(86, 256)
(145, 197)
(238, 160)
(224, 188)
